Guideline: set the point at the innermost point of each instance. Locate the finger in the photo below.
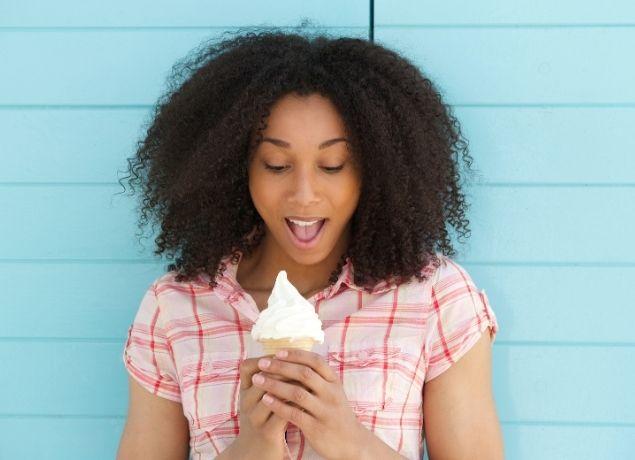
(248, 368)
(308, 358)
(274, 423)
(291, 371)
(303, 420)
(286, 391)
(260, 414)
(250, 396)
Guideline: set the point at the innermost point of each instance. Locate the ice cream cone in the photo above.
(289, 321)
(270, 346)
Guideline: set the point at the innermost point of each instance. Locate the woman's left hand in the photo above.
(321, 408)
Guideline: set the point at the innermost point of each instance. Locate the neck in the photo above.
(258, 272)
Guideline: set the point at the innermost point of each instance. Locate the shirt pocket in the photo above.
(210, 388)
(371, 372)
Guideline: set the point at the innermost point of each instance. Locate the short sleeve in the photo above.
(459, 314)
(147, 354)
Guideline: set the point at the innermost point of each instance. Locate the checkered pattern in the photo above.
(187, 340)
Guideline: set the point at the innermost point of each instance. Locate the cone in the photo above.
(272, 345)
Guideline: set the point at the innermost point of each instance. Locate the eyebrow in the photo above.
(286, 145)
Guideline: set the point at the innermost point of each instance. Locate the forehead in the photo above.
(308, 119)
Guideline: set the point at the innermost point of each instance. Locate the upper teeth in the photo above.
(303, 223)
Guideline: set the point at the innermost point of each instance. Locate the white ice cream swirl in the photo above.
(288, 315)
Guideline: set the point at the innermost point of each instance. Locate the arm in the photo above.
(231, 452)
(244, 450)
(155, 428)
(460, 414)
(371, 447)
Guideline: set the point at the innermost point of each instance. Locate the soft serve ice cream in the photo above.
(289, 319)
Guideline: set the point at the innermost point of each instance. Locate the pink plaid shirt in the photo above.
(187, 340)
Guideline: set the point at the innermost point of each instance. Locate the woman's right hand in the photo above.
(261, 431)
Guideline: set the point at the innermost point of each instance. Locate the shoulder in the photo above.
(167, 298)
(450, 275)
(440, 274)
(458, 313)
(167, 283)
(453, 291)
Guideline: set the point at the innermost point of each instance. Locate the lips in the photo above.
(305, 233)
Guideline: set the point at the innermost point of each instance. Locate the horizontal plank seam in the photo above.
(160, 28)
(493, 105)
(507, 25)
(500, 263)
(360, 25)
(575, 423)
(499, 342)
(474, 184)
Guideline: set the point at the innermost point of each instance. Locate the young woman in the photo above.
(336, 160)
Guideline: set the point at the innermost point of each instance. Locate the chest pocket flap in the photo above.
(367, 369)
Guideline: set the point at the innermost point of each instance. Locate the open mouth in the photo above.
(305, 232)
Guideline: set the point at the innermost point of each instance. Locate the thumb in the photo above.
(276, 423)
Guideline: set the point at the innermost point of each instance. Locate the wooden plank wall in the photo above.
(545, 95)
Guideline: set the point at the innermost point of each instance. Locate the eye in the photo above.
(274, 168)
(328, 169)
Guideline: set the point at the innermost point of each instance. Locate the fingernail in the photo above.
(257, 378)
(282, 353)
(264, 363)
(266, 398)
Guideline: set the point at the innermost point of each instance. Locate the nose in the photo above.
(305, 191)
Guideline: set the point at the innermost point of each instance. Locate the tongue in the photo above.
(307, 232)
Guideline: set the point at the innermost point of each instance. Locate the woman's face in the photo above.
(316, 180)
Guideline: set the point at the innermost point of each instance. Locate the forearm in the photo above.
(245, 450)
(227, 453)
(234, 450)
(371, 447)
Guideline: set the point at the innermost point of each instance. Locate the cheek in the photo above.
(348, 193)
(263, 195)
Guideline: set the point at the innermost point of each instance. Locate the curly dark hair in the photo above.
(193, 160)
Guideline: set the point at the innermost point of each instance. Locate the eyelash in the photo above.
(278, 169)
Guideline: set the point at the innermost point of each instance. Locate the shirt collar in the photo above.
(230, 288)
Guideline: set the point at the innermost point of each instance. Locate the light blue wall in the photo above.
(545, 92)
(546, 96)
